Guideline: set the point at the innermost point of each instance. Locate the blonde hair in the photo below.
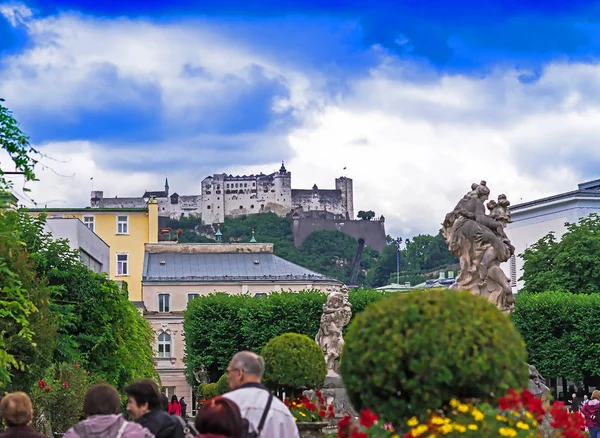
(596, 395)
(16, 409)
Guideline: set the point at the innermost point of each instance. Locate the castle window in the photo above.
(245, 185)
(236, 185)
(252, 206)
(208, 207)
(164, 345)
(272, 191)
(253, 184)
(241, 207)
(262, 207)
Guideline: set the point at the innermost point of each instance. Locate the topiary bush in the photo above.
(412, 352)
(293, 362)
(209, 391)
(222, 385)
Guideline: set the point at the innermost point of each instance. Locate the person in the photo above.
(143, 403)
(183, 405)
(575, 404)
(585, 399)
(102, 408)
(164, 400)
(244, 375)
(17, 414)
(591, 412)
(174, 406)
(219, 418)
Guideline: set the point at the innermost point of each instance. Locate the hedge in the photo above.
(561, 332)
(219, 325)
(414, 352)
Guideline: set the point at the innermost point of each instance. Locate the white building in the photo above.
(533, 220)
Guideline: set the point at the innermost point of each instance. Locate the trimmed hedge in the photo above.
(222, 385)
(293, 362)
(210, 390)
(219, 325)
(561, 332)
(413, 352)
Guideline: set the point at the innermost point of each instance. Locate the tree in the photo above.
(366, 215)
(569, 264)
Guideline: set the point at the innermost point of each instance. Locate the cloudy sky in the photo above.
(416, 99)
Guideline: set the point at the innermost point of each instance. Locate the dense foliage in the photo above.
(561, 333)
(330, 253)
(219, 325)
(293, 362)
(569, 264)
(413, 352)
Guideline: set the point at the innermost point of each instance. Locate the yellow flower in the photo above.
(437, 420)
(302, 413)
(477, 415)
(412, 422)
(508, 432)
(501, 418)
(459, 428)
(419, 430)
(472, 427)
(463, 408)
(445, 429)
(528, 415)
(295, 419)
(454, 403)
(523, 426)
(395, 436)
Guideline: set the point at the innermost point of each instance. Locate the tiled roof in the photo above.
(208, 267)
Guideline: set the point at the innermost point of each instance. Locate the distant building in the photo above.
(533, 220)
(125, 230)
(93, 251)
(223, 195)
(176, 273)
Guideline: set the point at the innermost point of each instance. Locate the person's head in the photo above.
(596, 395)
(585, 397)
(163, 390)
(101, 399)
(142, 397)
(574, 396)
(181, 399)
(245, 367)
(16, 409)
(174, 398)
(219, 416)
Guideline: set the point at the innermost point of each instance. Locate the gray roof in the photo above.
(590, 189)
(208, 267)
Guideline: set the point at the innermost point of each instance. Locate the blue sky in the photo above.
(133, 91)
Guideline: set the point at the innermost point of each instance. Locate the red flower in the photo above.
(76, 365)
(87, 373)
(510, 401)
(330, 408)
(41, 384)
(357, 434)
(344, 426)
(367, 418)
(65, 385)
(47, 388)
(322, 413)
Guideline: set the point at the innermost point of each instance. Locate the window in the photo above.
(122, 264)
(513, 271)
(192, 296)
(241, 207)
(88, 221)
(208, 207)
(252, 206)
(164, 345)
(164, 303)
(122, 224)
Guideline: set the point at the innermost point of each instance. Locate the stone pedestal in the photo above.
(335, 394)
(312, 430)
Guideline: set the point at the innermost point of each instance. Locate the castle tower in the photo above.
(283, 187)
(167, 186)
(344, 185)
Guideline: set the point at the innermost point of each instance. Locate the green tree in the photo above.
(366, 215)
(569, 264)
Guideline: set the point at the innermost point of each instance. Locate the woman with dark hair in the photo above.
(219, 417)
(174, 406)
(102, 408)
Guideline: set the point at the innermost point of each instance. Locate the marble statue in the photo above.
(536, 382)
(479, 241)
(337, 313)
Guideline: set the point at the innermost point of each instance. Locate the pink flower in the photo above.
(65, 385)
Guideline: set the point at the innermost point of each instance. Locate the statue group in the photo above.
(481, 245)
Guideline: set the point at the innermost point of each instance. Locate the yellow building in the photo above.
(125, 230)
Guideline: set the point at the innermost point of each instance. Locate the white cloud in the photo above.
(413, 147)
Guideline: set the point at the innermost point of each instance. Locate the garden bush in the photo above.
(222, 385)
(210, 390)
(219, 325)
(293, 362)
(413, 352)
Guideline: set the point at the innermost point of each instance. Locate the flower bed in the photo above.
(305, 410)
(517, 415)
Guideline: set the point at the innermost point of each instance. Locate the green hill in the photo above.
(327, 252)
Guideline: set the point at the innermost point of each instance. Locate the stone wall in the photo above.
(372, 232)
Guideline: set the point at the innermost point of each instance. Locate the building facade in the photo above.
(125, 231)
(175, 274)
(223, 195)
(93, 251)
(533, 220)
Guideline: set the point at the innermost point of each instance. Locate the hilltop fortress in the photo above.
(225, 195)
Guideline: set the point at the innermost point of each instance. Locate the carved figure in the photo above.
(336, 315)
(536, 382)
(480, 243)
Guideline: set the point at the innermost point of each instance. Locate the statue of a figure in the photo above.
(536, 382)
(337, 313)
(201, 375)
(481, 245)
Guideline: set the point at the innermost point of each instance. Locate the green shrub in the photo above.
(413, 352)
(219, 325)
(210, 390)
(222, 385)
(293, 362)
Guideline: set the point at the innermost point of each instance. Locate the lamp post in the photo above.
(398, 242)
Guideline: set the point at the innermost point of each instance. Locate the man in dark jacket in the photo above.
(144, 405)
(164, 400)
(183, 405)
